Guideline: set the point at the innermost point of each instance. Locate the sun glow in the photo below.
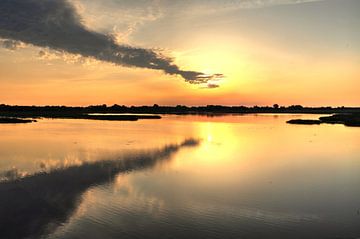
(210, 59)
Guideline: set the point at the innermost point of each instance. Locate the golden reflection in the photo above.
(244, 162)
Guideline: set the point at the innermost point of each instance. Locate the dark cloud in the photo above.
(56, 24)
(210, 86)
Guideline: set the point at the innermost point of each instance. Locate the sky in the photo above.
(188, 52)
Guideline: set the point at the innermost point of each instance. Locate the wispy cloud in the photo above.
(57, 25)
(256, 3)
(128, 14)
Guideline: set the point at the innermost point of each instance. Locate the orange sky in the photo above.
(285, 54)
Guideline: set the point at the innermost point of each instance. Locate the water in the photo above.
(250, 176)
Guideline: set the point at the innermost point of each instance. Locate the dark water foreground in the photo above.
(33, 206)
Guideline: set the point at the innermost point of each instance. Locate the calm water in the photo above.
(251, 176)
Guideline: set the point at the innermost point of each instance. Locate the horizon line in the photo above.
(182, 105)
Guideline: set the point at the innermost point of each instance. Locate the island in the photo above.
(349, 119)
(303, 121)
(5, 120)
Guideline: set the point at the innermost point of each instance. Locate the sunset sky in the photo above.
(169, 52)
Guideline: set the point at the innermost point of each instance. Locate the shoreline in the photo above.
(351, 120)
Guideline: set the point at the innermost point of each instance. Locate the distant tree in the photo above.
(296, 107)
(276, 106)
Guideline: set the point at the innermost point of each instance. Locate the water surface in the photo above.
(250, 176)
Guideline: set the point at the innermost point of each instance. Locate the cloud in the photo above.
(210, 86)
(122, 18)
(56, 24)
(150, 9)
(11, 44)
(126, 16)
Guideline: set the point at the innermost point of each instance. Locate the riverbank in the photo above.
(15, 121)
(26, 117)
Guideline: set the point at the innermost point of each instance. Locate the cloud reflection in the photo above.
(35, 205)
